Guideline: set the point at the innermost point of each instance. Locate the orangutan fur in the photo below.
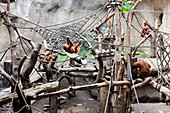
(144, 68)
(47, 58)
(144, 30)
(70, 48)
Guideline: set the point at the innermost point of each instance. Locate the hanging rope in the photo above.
(130, 73)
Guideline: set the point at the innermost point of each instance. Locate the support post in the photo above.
(53, 104)
(117, 61)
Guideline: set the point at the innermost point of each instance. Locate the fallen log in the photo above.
(31, 92)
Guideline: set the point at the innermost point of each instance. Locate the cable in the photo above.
(129, 67)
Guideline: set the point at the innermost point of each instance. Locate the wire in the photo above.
(129, 67)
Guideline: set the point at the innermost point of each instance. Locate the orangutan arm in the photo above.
(69, 42)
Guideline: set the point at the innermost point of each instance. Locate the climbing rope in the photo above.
(130, 73)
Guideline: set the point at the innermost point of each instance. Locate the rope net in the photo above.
(163, 50)
(57, 37)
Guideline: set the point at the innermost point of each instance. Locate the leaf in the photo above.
(134, 112)
(160, 111)
(127, 7)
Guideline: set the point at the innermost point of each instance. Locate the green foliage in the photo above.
(160, 111)
(89, 56)
(127, 7)
(141, 53)
(135, 112)
(63, 58)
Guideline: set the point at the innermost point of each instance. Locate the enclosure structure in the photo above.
(104, 37)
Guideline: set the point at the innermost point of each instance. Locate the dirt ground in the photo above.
(83, 103)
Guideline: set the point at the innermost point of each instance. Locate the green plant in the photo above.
(160, 111)
(135, 112)
(62, 58)
(127, 7)
(141, 53)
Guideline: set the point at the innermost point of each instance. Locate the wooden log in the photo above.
(141, 42)
(17, 104)
(20, 64)
(29, 65)
(85, 87)
(101, 70)
(31, 92)
(8, 77)
(53, 104)
(75, 69)
(118, 42)
(160, 88)
(28, 40)
(145, 82)
(98, 26)
(83, 75)
(153, 39)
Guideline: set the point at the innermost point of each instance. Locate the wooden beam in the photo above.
(145, 82)
(29, 65)
(31, 92)
(34, 92)
(74, 74)
(28, 40)
(84, 87)
(160, 88)
(141, 42)
(75, 69)
(98, 26)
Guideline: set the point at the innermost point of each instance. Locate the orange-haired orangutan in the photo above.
(47, 58)
(144, 68)
(70, 48)
(48, 69)
(144, 30)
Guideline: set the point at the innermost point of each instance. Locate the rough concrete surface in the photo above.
(152, 107)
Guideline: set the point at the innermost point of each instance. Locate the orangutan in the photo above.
(144, 68)
(144, 30)
(70, 48)
(47, 58)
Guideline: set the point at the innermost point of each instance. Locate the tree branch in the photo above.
(29, 65)
(141, 42)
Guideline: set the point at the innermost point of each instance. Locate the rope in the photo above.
(6, 50)
(103, 38)
(37, 109)
(27, 55)
(129, 67)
